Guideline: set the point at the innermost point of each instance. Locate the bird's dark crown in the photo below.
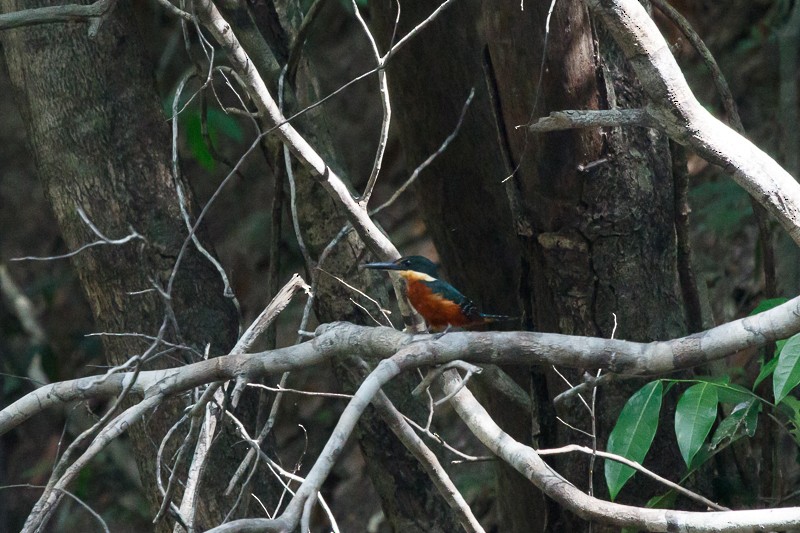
(418, 263)
(415, 263)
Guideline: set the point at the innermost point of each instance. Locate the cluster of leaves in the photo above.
(697, 412)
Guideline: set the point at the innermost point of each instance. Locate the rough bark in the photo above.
(101, 143)
(462, 195)
(408, 498)
(605, 242)
(586, 243)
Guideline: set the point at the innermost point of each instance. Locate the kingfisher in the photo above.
(439, 303)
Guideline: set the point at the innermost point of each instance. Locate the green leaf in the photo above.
(769, 367)
(663, 501)
(779, 346)
(703, 455)
(731, 393)
(727, 392)
(694, 416)
(787, 372)
(751, 419)
(741, 421)
(633, 434)
(790, 406)
(766, 305)
(766, 370)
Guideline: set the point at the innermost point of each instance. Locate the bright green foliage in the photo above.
(787, 372)
(633, 434)
(697, 409)
(694, 416)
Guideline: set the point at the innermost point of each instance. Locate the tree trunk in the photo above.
(101, 143)
(461, 195)
(584, 229)
(408, 498)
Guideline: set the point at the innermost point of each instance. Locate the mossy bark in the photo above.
(102, 143)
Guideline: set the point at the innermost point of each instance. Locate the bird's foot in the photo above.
(441, 334)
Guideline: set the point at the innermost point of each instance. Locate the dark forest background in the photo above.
(746, 38)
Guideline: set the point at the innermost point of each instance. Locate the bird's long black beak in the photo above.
(382, 266)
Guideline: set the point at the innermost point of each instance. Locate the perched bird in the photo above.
(439, 303)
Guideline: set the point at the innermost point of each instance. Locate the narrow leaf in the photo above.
(766, 370)
(694, 416)
(663, 501)
(633, 434)
(769, 367)
(751, 419)
(197, 145)
(787, 372)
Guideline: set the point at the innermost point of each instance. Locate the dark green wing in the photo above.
(448, 292)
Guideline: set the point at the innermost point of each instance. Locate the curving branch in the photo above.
(355, 210)
(268, 108)
(593, 118)
(521, 457)
(341, 339)
(675, 107)
(401, 352)
(300, 148)
(54, 14)
(528, 463)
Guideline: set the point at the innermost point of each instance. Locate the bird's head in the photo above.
(413, 266)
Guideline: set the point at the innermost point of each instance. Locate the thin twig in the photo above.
(301, 392)
(422, 166)
(384, 312)
(103, 240)
(735, 121)
(686, 275)
(67, 493)
(183, 200)
(300, 38)
(570, 448)
(386, 104)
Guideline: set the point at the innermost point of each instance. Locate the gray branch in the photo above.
(54, 14)
(602, 118)
(675, 107)
(401, 352)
